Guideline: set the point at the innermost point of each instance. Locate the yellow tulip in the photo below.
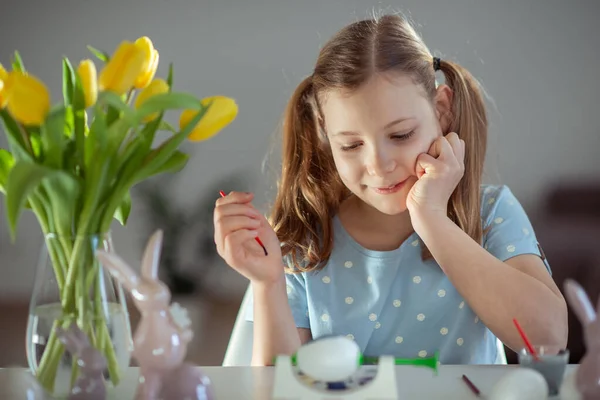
(87, 74)
(150, 65)
(157, 86)
(3, 97)
(123, 68)
(28, 98)
(222, 111)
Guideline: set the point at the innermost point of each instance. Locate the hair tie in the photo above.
(436, 63)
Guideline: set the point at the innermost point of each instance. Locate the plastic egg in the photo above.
(329, 359)
(520, 384)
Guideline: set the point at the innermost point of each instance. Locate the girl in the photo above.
(386, 232)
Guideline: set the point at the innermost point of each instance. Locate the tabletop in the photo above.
(255, 383)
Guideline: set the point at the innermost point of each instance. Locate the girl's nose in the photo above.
(380, 163)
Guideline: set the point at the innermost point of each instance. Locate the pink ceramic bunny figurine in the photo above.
(160, 344)
(90, 383)
(587, 379)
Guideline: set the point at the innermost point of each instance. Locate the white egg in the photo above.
(520, 384)
(329, 359)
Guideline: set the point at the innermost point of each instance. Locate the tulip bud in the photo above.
(157, 86)
(222, 111)
(28, 98)
(150, 63)
(87, 74)
(123, 68)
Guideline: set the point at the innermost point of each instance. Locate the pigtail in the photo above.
(309, 188)
(469, 121)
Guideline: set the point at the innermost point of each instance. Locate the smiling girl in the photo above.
(385, 231)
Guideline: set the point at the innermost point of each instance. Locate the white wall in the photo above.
(538, 60)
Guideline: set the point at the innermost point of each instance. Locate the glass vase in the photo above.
(71, 286)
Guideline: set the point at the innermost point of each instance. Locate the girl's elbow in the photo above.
(558, 335)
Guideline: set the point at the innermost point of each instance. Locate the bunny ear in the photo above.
(119, 269)
(152, 256)
(579, 301)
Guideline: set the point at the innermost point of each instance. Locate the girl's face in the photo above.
(376, 134)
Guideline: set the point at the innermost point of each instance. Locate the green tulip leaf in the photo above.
(99, 54)
(18, 146)
(6, 163)
(17, 62)
(170, 77)
(165, 126)
(122, 213)
(63, 192)
(167, 101)
(52, 137)
(161, 154)
(115, 101)
(68, 82)
(24, 178)
(175, 163)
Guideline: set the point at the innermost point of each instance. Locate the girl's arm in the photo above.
(498, 291)
(275, 331)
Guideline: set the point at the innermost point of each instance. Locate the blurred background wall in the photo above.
(537, 59)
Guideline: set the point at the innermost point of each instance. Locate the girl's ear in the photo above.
(443, 107)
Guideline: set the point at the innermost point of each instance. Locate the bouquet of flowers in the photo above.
(73, 164)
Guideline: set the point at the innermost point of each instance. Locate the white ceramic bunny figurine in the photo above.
(587, 377)
(160, 344)
(90, 383)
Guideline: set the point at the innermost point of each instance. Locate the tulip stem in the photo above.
(26, 139)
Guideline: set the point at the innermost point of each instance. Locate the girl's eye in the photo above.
(350, 147)
(354, 146)
(405, 136)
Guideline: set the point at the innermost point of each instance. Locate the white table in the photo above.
(255, 383)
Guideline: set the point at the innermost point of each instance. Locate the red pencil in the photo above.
(222, 193)
(525, 339)
(471, 385)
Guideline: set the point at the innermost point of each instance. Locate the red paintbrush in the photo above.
(222, 193)
(526, 340)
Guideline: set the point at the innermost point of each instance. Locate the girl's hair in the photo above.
(310, 190)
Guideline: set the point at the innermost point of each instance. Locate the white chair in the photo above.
(239, 349)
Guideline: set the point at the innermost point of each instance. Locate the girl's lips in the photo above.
(391, 189)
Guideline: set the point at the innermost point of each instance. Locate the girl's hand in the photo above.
(237, 224)
(438, 172)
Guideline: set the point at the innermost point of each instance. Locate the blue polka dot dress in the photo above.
(394, 303)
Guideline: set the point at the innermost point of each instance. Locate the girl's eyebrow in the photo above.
(387, 126)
